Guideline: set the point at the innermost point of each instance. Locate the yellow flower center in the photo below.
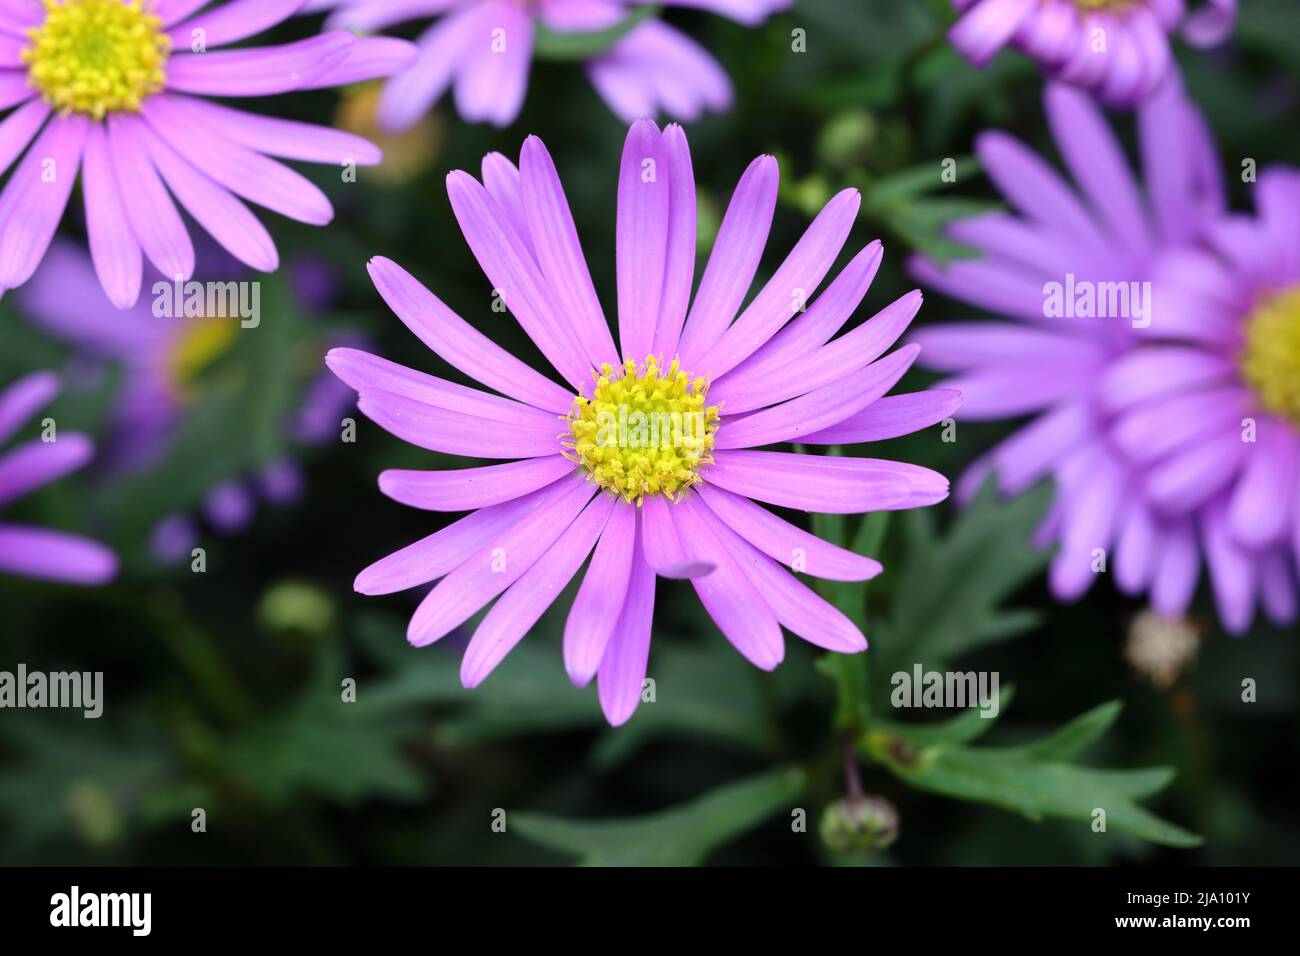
(97, 56)
(1271, 359)
(645, 431)
(202, 342)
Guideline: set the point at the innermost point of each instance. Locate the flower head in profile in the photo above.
(1118, 49)
(117, 91)
(40, 552)
(482, 50)
(1154, 340)
(646, 458)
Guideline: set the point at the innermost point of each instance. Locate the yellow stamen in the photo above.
(1271, 359)
(645, 431)
(97, 56)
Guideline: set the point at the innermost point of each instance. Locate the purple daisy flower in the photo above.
(1119, 49)
(39, 552)
(652, 469)
(482, 50)
(1164, 392)
(116, 89)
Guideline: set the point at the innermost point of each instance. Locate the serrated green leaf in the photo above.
(681, 836)
(948, 588)
(1034, 780)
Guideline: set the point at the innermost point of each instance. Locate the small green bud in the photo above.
(859, 825)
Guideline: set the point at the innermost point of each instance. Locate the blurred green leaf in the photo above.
(321, 744)
(948, 588)
(681, 836)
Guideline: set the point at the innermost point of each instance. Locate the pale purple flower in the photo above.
(117, 90)
(40, 552)
(1170, 427)
(1118, 49)
(157, 358)
(574, 483)
(482, 50)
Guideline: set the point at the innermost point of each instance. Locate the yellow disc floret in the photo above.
(645, 431)
(1271, 360)
(97, 56)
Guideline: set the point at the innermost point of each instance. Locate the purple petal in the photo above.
(890, 417)
(782, 541)
(18, 128)
(988, 27)
(459, 344)
(113, 245)
(500, 562)
(826, 484)
(465, 488)
(455, 433)
(33, 200)
(23, 398)
(731, 267)
(149, 207)
(559, 253)
(594, 616)
(797, 607)
(664, 550)
(443, 551)
(55, 556)
(1178, 565)
(793, 283)
(225, 218)
(851, 354)
(245, 173)
(679, 267)
(1096, 161)
(493, 73)
(288, 139)
(440, 51)
(36, 463)
(822, 407)
(1233, 572)
(641, 243)
(370, 373)
(537, 588)
(234, 21)
(818, 325)
(1258, 514)
(728, 595)
(622, 668)
(1190, 477)
(515, 276)
(262, 71)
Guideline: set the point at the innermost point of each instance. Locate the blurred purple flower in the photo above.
(1170, 427)
(483, 49)
(1119, 49)
(118, 90)
(39, 552)
(687, 510)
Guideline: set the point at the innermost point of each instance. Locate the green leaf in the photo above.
(320, 744)
(1035, 780)
(681, 836)
(948, 588)
(568, 47)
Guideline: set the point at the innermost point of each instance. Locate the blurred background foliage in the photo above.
(223, 689)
